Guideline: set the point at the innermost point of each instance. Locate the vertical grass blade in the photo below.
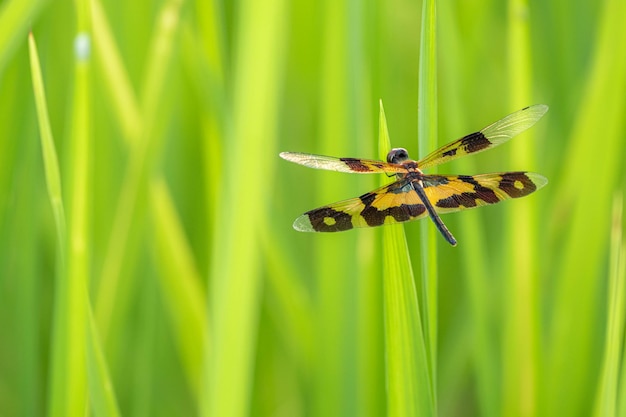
(180, 283)
(606, 397)
(51, 162)
(119, 87)
(339, 103)
(292, 301)
(235, 270)
(408, 373)
(78, 253)
(208, 72)
(427, 134)
(621, 386)
(476, 268)
(142, 158)
(601, 109)
(211, 22)
(179, 277)
(68, 374)
(101, 394)
(521, 310)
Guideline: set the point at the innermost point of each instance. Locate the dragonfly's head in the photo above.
(397, 155)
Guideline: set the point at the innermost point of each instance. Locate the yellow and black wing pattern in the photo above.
(398, 202)
(393, 203)
(449, 193)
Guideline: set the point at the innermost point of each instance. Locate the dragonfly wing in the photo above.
(489, 137)
(352, 165)
(454, 193)
(393, 203)
(398, 202)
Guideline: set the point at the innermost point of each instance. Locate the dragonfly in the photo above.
(415, 195)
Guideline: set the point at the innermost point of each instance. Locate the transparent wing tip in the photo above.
(539, 180)
(538, 110)
(303, 224)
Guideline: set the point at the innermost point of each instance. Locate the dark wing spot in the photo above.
(468, 179)
(457, 200)
(451, 152)
(342, 221)
(448, 202)
(355, 164)
(401, 213)
(517, 184)
(368, 198)
(475, 142)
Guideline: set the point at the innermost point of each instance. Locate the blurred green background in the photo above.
(148, 266)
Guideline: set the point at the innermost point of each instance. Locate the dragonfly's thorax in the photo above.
(412, 171)
(411, 166)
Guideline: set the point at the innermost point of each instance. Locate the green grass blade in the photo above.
(101, 394)
(427, 134)
(476, 269)
(235, 273)
(210, 71)
(51, 162)
(119, 87)
(621, 388)
(211, 24)
(68, 382)
(142, 158)
(180, 284)
(606, 397)
(179, 277)
(522, 308)
(343, 116)
(292, 301)
(341, 132)
(78, 253)
(601, 108)
(68, 375)
(409, 382)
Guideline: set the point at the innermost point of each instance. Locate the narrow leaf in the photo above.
(409, 388)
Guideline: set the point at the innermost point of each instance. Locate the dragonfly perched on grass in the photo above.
(416, 195)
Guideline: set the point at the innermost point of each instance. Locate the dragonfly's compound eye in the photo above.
(397, 155)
